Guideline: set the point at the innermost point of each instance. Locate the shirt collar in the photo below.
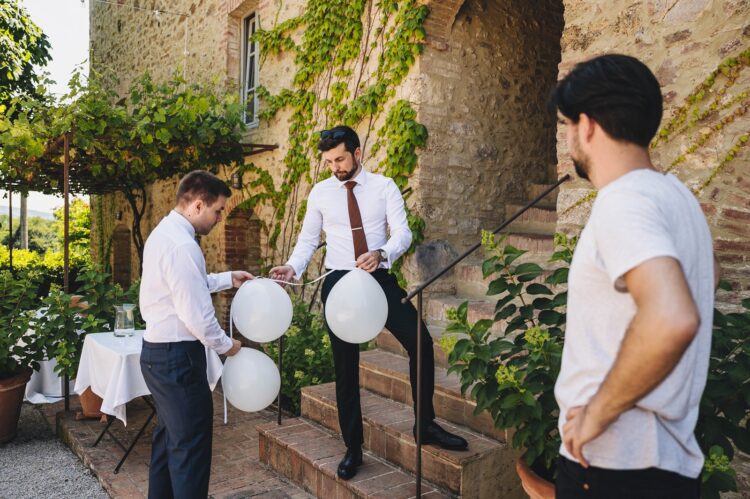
(181, 221)
(360, 179)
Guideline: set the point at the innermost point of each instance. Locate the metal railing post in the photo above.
(418, 436)
(281, 373)
(66, 244)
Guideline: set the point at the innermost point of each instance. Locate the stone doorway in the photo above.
(488, 71)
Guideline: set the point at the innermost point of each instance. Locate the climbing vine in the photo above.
(350, 59)
(711, 107)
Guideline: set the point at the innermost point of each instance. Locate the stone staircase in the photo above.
(308, 449)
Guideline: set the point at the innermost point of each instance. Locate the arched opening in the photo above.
(121, 255)
(489, 69)
(241, 251)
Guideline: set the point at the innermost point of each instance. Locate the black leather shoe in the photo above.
(434, 434)
(348, 466)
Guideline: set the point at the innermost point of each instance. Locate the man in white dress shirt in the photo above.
(355, 208)
(175, 301)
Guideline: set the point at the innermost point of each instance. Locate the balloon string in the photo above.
(297, 283)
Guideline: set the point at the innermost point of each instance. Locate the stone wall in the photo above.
(682, 42)
(486, 82)
(130, 40)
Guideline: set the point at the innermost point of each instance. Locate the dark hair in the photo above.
(203, 185)
(335, 136)
(617, 91)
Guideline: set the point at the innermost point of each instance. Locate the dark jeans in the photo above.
(402, 323)
(575, 481)
(175, 374)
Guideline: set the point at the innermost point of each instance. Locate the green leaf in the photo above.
(497, 286)
(538, 289)
(510, 401)
(550, 317)
(559, 276)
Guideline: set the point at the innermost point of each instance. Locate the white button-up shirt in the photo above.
(382, 208)
(175, 295)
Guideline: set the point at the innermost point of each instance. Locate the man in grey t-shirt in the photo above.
(640, 299)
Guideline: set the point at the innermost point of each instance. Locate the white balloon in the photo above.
(356, 309)
(251, 380)
(262, 311)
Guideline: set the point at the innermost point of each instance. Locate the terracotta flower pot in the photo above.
(534, 485)
(11, 398)
(91, 405)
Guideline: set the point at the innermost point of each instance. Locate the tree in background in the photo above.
(42, 234)
(24, 50)
(79, 230)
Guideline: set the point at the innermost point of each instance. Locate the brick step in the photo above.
(486, 469)
(309, 455)
(544, 216)
(387, 373)
(532, 239)
(386, 341)
(533, 190)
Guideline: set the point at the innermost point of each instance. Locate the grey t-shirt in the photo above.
(641, 215)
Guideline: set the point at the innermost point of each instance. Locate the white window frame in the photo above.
(249, 63)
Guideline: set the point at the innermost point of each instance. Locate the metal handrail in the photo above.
(418, 293)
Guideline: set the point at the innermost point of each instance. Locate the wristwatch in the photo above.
(383, 255)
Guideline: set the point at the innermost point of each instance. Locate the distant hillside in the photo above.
(32, 213)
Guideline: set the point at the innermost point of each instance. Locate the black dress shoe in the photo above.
(348, 466)
(434, 434)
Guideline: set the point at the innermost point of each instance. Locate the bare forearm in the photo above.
(651, 348)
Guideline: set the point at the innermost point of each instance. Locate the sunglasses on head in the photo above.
(332, 134)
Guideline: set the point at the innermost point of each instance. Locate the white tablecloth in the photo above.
(111, 367)
(45, 385)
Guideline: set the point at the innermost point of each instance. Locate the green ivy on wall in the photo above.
(704, 114)
(350, 60)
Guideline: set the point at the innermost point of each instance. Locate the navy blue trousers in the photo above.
(402, 323)
(175, 374)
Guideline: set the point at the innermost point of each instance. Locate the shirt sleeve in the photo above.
(629, 229)
(309, 237)
(398, 224)
(189, 289)
(219, 282)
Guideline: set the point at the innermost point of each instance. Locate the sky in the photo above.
(66, 24)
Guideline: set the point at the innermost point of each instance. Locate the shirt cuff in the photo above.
(297, 274)
(225, 280)
(225, 346)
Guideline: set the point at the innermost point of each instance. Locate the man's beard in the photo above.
(581, 170)
(348, 175)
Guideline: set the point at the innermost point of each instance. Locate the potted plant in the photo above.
(20, 352)
(512, 375)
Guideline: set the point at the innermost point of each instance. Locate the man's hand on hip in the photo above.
(369, 261)
(581, 426)
(236, 345)
(240, 276)
(283, 273)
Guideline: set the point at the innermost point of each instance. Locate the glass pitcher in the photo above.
(124, 320)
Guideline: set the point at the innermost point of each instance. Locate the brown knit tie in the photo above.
(355, 220)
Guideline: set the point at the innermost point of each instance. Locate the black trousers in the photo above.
(175, 374)
(575, 481)
(402, 323)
